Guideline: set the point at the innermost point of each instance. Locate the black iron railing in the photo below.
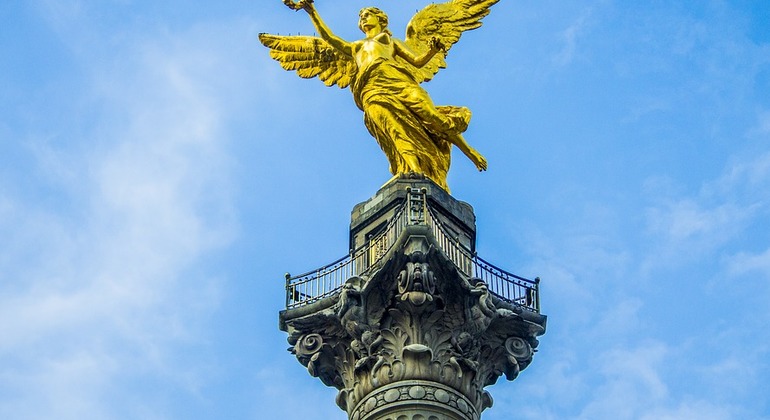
(323, 282)
(505, 285)
(315, 285)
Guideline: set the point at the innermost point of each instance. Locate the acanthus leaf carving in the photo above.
(405, 323)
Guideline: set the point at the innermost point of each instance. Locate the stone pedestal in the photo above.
(412, 324)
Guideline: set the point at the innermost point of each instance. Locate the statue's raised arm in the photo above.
(311, 56)
(326, 34)
(385, 73)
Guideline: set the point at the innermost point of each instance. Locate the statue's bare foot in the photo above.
(478, 160)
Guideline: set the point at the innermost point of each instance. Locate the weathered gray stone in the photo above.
(413, 336)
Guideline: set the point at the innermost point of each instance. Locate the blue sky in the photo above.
(159, 174)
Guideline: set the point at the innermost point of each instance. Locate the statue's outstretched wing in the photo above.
(310, 57)
(445, 22)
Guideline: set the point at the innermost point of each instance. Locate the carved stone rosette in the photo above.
(413, 339)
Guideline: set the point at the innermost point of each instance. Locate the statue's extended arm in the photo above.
(324, 31)
(418, 61)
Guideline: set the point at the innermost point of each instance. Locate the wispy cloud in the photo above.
(723, 210)
(570, 38)
(686, 223)
(111, 288)
(608, 289)
(745, 262)
(631, 382)
(121, 204)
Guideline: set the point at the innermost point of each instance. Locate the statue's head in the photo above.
(366, 12)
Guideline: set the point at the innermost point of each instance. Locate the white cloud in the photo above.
(690, 410)
(634, 387)
(749, 176)
(570, 37)
(720, 215)
(620, 318)
(631, 382)
(687, 220)
(110, 286)
(763, 127)
(317, 399)
(745, 262)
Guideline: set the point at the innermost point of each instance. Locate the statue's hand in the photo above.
(436, 45)
(306, 4)
(301, 4)
(290, 4)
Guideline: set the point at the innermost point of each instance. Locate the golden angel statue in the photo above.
(384, 74)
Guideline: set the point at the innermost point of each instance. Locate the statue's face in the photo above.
(369, 20)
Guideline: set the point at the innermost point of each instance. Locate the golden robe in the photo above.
(401, 116)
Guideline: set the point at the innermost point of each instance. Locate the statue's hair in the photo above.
(379, 14)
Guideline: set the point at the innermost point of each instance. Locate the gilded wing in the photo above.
(445, 22)
(310, 57)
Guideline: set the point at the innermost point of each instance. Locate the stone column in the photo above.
(415, 334)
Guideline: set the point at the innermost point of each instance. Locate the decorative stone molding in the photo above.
(414, 400)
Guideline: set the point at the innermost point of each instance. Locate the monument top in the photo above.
(412, 323)
(384, 73)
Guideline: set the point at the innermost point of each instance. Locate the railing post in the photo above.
(537, 294)
(317, 282)
(368, 251)
(288, 288)
(408, 205)
(424, 193)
